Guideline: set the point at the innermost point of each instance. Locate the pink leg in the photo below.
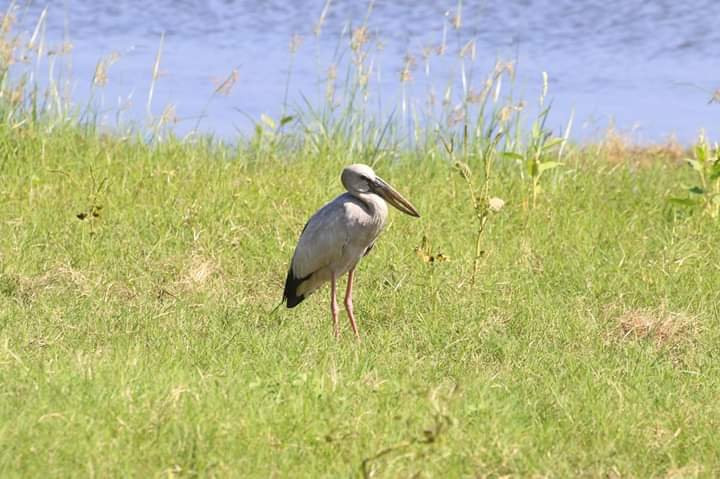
(349, 305)
(334, 306)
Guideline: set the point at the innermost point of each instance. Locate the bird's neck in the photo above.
(377, 207)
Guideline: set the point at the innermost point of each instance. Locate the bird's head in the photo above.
(360, 179)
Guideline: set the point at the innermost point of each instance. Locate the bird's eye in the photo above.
(364, 185)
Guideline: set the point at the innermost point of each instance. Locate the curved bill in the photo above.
(390, 195)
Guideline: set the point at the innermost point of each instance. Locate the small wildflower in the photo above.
(496, 204)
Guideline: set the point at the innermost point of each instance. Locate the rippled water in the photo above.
(649, 66)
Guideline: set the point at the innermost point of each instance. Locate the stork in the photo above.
(338, 235)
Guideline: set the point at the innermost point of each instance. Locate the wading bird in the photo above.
(338, 235)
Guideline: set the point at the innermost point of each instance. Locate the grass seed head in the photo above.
(409, 65)
(7, 22)
(456, 117)
(100, 78)
(225, 87)
(360, 36)
(468, 50)
(295, 43)
(464, 170)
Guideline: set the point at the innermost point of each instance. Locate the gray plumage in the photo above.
(339, 234)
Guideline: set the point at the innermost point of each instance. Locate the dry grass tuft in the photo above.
(62, 279)
(199, 274)
(618, 148)
(661, 327)
(685, 472)
(201, 269)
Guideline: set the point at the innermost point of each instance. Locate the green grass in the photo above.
(137, 280)
(139, 342)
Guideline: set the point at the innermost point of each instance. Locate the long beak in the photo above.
(389, 194)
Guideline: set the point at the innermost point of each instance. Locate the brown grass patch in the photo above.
(659, 326)
(201, 270)
(620, 148)
(200, 274)
(61, 277)
(684, 472)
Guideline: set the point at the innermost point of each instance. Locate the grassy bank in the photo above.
(572, 332)
(137, 281)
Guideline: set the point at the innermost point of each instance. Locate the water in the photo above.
(649, 67)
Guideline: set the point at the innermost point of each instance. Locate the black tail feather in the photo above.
(291, 285)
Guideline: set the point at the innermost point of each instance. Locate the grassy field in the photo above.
(138, 277)
(136, 334)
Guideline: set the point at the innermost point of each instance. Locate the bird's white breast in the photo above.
(337, 236)
(364, 223)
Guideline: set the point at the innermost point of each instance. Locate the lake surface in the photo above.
(648, 67)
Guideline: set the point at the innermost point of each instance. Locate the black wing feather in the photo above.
(291, 285)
